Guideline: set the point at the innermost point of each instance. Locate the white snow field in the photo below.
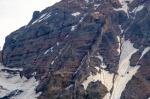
(12, 82)
(117, 81)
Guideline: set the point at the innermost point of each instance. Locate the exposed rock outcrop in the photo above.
(0, 56)
(85, 49)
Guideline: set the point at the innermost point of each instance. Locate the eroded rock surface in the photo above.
(85, 49)
(0, 56)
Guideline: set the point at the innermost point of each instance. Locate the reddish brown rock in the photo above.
(61, 42)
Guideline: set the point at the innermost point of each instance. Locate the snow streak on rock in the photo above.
(15, 87)
(76, 14)
(145, 51)
(124, 6)
(125, 71)
(116, 83)
(102, 60)
(119, 44)
(73, 27)
(47, 51)
(105, 77)
(11, 69)
(126, 52)
(137, 9)
(42, 17)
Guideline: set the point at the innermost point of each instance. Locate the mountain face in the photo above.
(82, 49)
(0, 56)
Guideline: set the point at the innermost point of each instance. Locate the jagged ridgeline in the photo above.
(80, 49)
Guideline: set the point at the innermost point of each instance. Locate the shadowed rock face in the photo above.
(65, 44)
(0, 56)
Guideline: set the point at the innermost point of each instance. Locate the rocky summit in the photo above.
(80, 49)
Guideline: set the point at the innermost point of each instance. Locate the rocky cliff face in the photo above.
(85, 49)
(0, 56)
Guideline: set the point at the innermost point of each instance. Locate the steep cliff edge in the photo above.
(85, 49)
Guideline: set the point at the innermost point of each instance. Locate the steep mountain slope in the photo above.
(85, 49)
(0, 56)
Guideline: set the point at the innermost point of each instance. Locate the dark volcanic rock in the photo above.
(96, 90)
(72, 40)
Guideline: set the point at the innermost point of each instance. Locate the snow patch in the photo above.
(145, 51)
(11, 82)
(81, 20)
(125, 71)
(121, 29)
(12, 69)
(121, 81)
(50, 49)
(42, 17)
(67, 36)
(127, 51)
(52, 62)
(46, 51)
(124, 6)
(119, 42)
(76, 14)
(137, 9)
(34, 73)
(105, 77)
(73, 27)
(102, 61)
(116, 82)
(67, 88)
(57, 43)
(96, 6)
(97, 68)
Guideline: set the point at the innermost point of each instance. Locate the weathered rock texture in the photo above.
(61, 43)
(0, 56)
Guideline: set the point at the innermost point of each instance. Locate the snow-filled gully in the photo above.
(13, 86)
(116, 82)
